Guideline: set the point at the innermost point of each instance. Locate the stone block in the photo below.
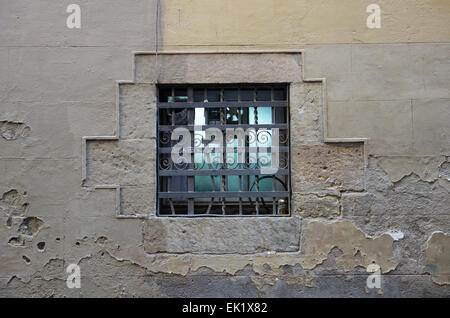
(137, 111)
(326, 167)
(313, 205)
(138, 200)
(306, 113)
(209, 68)
(222, 236)
(124, 162)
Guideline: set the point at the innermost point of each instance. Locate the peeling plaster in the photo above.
(444, 170)
(14, 203)
(396, 234)
(10, 130)
(319, 238)
(261, 281)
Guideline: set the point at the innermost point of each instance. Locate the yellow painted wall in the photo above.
(300, 22)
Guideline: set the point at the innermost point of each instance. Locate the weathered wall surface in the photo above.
(354, 203)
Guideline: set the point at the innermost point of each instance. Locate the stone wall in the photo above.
(370, 149)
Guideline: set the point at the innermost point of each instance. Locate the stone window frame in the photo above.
(273, 66)
(136, 54)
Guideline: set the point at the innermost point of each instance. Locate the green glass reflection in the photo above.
(205, 183)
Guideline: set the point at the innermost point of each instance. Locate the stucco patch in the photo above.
(427, 168)
(438, 257)
(321, 237)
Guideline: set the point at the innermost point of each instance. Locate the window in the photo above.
(226, 138)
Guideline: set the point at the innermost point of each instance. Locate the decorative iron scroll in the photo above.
(223, 151)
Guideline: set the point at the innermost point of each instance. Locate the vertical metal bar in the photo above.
(247, 153)
(274, 121)
(158, 180)
(288, 142)
(237, 155)
(213, 182)
(255, 115)
(169, 179)
(191, 121)
(223, 118)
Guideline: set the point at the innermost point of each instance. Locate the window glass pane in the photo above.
(164, 95)
(178, 184)
(213, 95)
(264, 115)
(279, 94)
(230, 95)
(164, 118)
(246, 94)
(233, 115)
(233, 183)
(199, 117)
(263, 94)
(205, 183)
(181, 95)
(199, 95)
(213, 116)
(264, 184)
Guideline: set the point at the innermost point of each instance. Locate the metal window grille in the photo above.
(230, 187)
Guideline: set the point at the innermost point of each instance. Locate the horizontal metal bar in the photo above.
(217, 194)
(230, 104)
(235, 149)
(219, 172)
(223, 127)
(226, 85)
(222, 215)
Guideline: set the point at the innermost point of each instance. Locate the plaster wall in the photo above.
(370, 108)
